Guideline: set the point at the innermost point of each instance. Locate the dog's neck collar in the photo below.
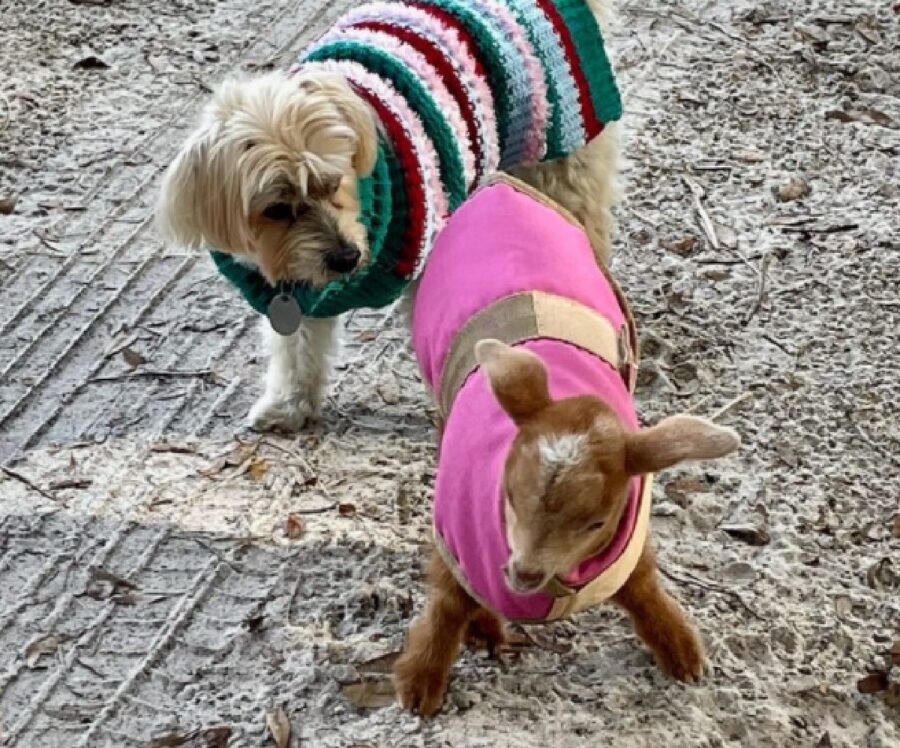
(384, 212)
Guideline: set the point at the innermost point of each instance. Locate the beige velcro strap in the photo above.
(526, 316)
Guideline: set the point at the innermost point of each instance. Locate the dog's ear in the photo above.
(676, 439)
(517, 377)
(356, 113)
(183, 201)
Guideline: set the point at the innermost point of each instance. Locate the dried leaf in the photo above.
(240, 454)
(843, 605)
(865, 116)
(382, 665)
(90, 62)
(895, 653)
(367, 336)
(683, 246)
(259, 466)
(213, 468)
(748, 533)
(213, 737)
(678, 489)
(293, 526)
(370, 694)
(726, 235)
(793, 189)
(519, 640)
(347, 510)
(280, 727)
(7, 205)
(254, 623)
(101, 574)
(105, 585)
(792, 221)
(873, 683)
(182, 449)
(120, 341)
(133, 358)
(73, 465)
(892, 697)
(881, 575)
(45, 645)
(388, 390)
(750, 156)
(787, 454)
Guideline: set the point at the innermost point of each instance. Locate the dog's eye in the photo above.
(279, 212)
(594, 526)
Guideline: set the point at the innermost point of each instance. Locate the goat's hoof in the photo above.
(418, 689)
(682, 656)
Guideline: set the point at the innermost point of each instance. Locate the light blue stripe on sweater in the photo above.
(559, 75)
(520, 119)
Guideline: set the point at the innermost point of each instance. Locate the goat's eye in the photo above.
(279, 212)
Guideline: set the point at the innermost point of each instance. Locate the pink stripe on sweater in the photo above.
(426, 156)
(460, 56)
(540, 106)
(430, 78)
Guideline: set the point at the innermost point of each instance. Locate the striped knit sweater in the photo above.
(461, 88)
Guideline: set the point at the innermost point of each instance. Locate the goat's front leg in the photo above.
(297, 376)
(661, 622)
(421, 673)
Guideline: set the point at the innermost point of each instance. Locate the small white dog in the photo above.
(321, 189)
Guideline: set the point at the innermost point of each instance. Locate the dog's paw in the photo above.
(419, 689)
(682, 656)
(280, 415)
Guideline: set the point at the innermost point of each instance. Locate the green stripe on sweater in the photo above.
(417, 96)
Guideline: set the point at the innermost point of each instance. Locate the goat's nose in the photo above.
(524, 577)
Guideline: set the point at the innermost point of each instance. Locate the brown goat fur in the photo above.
(560, 509)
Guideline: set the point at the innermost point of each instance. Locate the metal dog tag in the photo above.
(284, 314)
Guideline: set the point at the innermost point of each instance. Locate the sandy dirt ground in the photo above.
(152, 592)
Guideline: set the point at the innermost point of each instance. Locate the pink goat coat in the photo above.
(502, 241)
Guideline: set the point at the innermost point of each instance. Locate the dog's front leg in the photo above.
(297, 375)
(661, 622)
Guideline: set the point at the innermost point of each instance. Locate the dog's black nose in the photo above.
(343, 259)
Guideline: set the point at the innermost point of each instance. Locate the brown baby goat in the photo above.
(556, 519)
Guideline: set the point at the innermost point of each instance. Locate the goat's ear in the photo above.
(674, 440)
(517, 377)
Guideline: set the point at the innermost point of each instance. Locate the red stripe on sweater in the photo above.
(448, 20)
(436, 58)
(414, 233)
(593, 126)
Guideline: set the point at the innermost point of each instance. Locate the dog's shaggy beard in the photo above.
(271, 176)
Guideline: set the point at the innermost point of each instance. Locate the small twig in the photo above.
(690, 579)
(761, 293)
(317, 510)
(729, 405)
(46, 242)
(835, 228)
(215, 552)
(705, 221)
(160, 374)
(5, 115)
(10, 473)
